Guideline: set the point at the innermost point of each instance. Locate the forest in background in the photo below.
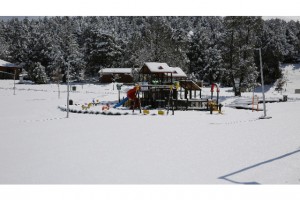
(208, 48)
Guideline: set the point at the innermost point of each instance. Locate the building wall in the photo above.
(124, 78)
(9, 70)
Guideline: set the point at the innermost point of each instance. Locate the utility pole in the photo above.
(15, 82)
(262, 87)
(68, 90)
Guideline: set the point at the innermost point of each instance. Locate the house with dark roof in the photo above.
(7, 70)
(121, 75)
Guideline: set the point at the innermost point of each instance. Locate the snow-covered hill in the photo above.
(291, 73)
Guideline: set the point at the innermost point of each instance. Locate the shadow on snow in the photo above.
(225, 177)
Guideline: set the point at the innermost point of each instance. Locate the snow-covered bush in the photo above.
(37, 73)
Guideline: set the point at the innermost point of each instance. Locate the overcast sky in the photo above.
(287, 18)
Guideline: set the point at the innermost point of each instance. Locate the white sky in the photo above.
(287, 18)
(150, 7)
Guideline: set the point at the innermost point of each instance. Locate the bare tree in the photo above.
(57, 78)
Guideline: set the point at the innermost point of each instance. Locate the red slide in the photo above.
(131, 93)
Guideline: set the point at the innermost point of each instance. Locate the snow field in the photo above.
(40, 146)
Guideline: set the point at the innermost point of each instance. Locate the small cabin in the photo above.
(7, 70)
(121, 75)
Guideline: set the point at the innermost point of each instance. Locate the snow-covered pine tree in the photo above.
(158, 43)
(198, 45)
(273, 43)
(101, 50)
(213, 69)
(37, 73)
(4, 49)
(205, 48)
(291, 45)
(238, 51)
(17, 35)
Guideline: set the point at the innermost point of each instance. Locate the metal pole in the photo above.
(15, 83)
(68, 90)
(262, 83)
(262, 86)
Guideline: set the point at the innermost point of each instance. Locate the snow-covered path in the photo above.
(38, 145)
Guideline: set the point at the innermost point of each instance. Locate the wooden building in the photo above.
(178, 74)
(8, 69)
(121, 75)
(156, 73)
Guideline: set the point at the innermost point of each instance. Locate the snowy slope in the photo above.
(39, 145)
(291, 73)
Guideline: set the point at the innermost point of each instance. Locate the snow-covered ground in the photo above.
(39, 145)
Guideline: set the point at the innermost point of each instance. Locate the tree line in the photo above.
(212, 49)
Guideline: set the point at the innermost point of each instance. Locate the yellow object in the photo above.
(137, 87)
(161, 112)
(177, 85)
(146, 112)
(213, 105)
(84, 107)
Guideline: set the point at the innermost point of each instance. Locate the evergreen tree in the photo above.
(101, 51)
(202, 46)
(273, 43)
(205, 49)
(213, 69)
(37, 73)
(198, 45)
(291, 45)
(238, 53)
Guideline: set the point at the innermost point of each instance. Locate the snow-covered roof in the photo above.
(155, 67)
(177, 72)
(4, 63)
(116, 71)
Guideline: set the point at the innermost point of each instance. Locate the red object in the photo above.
(105, 107)
(212, 87)
(131, 93)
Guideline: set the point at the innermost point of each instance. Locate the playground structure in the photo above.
(164, 89)
(180, 95)
(172, 97)
(133, 97)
